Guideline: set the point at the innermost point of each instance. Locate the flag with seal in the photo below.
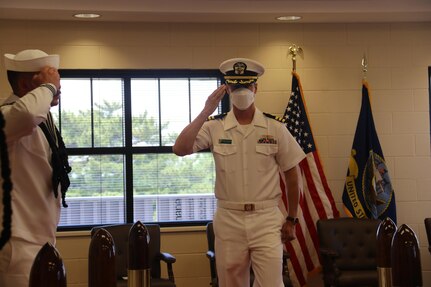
(368, 191)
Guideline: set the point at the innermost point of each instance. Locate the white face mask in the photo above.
(242, 98)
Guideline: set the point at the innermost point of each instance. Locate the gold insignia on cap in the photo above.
(239, 68)
(241, 81)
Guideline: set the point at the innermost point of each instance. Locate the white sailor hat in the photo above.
(241, 71)
(30, 61)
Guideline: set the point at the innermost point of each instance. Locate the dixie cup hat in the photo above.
(30, 61)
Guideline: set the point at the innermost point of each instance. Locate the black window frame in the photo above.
(128, 150)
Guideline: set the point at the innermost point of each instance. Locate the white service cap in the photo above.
(241, 71)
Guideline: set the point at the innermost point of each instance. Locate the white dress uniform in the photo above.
(35, 209)
(248, 222)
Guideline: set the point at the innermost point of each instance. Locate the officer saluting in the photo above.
(249, 149)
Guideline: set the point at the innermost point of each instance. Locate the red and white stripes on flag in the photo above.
(316, 200)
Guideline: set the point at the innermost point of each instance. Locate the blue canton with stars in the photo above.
(296, 119)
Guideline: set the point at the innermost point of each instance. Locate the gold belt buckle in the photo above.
(249, 207)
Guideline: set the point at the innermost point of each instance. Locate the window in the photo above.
(119, 127)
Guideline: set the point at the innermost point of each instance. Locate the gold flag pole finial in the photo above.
(293, 51)
(364, 66)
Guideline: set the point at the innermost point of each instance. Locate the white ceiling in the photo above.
(221, 11)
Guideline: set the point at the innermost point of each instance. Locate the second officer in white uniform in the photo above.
(250, 148)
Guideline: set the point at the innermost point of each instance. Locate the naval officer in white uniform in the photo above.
(250, 148)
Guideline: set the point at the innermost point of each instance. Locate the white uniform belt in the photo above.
(246, 206)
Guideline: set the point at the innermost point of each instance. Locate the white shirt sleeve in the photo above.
(26, 113)
(289, 153)
(203, 139)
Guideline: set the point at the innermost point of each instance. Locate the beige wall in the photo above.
(331, 73)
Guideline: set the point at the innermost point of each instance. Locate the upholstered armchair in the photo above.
(348, 251)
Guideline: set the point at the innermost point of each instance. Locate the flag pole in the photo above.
(294, 51)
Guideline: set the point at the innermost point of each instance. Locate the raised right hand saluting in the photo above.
(213, 100)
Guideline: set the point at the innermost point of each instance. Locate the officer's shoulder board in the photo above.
(216, 117)
(279, 119)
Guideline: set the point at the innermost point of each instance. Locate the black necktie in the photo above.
(59, 159)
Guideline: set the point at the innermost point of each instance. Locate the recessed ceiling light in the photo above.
(289, 18)
(86, 15)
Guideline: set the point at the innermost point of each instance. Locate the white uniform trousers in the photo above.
(249, 238)
(16, 260)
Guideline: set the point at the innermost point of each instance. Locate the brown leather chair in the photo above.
(120, 234)
(212, 259)
(348, 251)
(428, 229)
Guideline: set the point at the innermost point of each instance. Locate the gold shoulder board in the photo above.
(280, 119)
(216, 117)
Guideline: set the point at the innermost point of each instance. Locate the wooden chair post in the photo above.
(101, 260)
(139, 263)
(48, 269)
(385, 233)
(405, 259)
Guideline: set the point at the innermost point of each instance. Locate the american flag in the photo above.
(316, 200)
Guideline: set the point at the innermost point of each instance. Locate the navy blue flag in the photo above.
(368, 191)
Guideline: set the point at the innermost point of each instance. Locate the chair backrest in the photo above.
(428, 229)
(353, 239)
(210, 240)
(120, 234)
(210, 236)
(154, 231)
